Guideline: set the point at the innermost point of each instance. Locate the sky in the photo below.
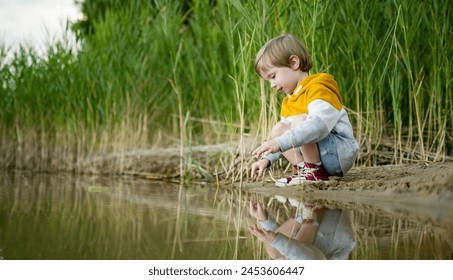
(35, 23)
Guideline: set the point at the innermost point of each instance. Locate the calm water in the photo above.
(66, 217)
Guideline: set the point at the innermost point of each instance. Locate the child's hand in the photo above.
(259, 167)
(267, 147)
(257, 211)
(265, 236)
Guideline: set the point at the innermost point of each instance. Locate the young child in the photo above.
(314, 133)
(314, 234)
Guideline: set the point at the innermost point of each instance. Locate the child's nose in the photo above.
(273, 85)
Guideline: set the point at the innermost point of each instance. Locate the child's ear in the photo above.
(294, 62)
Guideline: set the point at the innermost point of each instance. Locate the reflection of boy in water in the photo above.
(315, 233)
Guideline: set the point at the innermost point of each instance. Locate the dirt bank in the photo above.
(425, 182)
(408, 180)
(423, 190)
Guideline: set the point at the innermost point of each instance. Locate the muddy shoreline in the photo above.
(422, 190)
(419, 183)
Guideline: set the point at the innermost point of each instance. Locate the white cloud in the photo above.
(34, 22)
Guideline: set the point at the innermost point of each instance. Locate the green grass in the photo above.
(161, 74)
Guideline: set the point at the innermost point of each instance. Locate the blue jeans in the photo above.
(329, 155)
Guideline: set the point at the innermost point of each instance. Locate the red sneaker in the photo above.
(308, 174)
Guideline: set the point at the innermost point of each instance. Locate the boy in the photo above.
(314, 133)
(316, 233)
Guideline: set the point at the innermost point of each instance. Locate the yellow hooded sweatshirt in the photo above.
(318, 86)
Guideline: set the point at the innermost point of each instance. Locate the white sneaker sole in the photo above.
(295, 183)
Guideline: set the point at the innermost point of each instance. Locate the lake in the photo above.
(64, 216)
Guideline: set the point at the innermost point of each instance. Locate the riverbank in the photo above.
(420, 190)
(425, 181)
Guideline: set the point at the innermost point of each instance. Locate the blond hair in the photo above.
(278, 51)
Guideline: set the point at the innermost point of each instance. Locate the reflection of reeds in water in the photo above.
(381, 237)
(62, 217)
(65, 217)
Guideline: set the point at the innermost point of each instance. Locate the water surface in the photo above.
(45, 216)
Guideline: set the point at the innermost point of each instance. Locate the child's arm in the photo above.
(322, 118)
(273, 157)
(295, 250)
(288, 247)
(269, 224)
(268, 149)
(259, 167)
(257, 212)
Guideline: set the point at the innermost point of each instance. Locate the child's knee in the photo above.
(298, 119)
(279, 129)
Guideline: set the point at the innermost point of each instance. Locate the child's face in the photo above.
(283, 79)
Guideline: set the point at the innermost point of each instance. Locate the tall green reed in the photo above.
(118, 93)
